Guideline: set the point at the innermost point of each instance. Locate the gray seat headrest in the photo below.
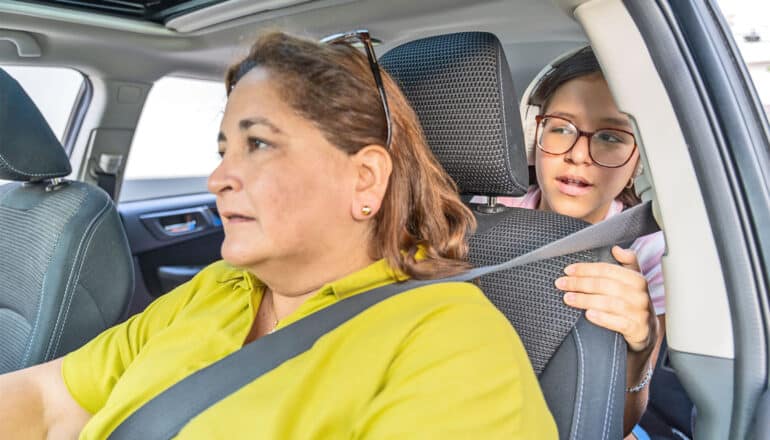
(461, 88)
(29, 150)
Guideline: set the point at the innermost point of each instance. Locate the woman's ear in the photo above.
(373, 166)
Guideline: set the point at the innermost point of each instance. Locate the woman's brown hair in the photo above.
(333, 86)
(582, 63)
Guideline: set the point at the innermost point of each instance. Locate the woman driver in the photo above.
(323, 196)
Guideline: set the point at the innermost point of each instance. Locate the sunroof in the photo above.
(157, 11)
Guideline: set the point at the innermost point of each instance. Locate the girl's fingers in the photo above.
(624, 275)
(637, 336)
(626, 257)
(606, 287)
(609, 304)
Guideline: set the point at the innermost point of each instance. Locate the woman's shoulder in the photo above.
(458, 293)
(461, 306)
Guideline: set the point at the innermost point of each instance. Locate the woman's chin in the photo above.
(239, 256)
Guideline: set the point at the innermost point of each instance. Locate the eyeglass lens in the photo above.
(607, 147)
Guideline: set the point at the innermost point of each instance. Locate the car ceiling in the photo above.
(532, 31)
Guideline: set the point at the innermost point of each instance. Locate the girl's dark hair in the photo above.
(582, 63)
(333, 86)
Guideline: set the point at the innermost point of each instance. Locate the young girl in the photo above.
(585, 157)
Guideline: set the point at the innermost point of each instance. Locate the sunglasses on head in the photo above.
(365, 39)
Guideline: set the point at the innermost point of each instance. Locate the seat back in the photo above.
(461, 88)
(66, 272)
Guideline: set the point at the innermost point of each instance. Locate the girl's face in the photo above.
(571, 183)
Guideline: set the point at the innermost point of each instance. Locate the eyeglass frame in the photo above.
(364, 37)
(581, 133)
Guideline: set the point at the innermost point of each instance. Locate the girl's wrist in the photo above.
(642, 384)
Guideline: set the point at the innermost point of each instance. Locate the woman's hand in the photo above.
(614, 297)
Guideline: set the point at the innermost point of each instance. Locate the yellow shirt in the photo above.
(434, 362)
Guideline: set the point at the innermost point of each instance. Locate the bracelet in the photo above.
(640, 386)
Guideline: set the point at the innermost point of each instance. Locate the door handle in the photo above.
(180, 222)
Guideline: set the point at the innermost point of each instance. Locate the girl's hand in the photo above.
(614, 297)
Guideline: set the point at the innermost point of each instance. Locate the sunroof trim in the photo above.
(158, 11)
(81, 17)
(239, 9)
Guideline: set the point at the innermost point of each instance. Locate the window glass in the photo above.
(175, 140)
(52, 89)
(748, 21)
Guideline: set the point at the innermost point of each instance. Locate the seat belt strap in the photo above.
(168, 412)
(106, 182)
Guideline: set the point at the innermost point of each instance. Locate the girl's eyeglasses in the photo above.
(607, 147)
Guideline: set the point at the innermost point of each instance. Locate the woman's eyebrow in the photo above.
(245, 124)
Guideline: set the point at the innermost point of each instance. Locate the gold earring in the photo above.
(366, 210)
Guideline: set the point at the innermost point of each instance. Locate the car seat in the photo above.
(65, 267)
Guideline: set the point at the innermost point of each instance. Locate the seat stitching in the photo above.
(7, 164)
(69, 278)
(77, 277)
(609, 410)
(506, 150)
(581, 368)
(33, 332)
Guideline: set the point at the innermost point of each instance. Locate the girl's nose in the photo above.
(579, 153)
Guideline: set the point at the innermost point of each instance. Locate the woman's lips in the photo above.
(237, 218)
(572, 186)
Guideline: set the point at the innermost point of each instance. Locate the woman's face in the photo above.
(571, 183)
(283, 191)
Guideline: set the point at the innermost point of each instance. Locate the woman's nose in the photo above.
(223, 178)
(579, 152)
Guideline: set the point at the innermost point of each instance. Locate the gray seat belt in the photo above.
(167, 413)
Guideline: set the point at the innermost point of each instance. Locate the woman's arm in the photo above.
(37, 405)
(617, 298)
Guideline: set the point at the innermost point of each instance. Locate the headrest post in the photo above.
(491, 207)
(55, 184)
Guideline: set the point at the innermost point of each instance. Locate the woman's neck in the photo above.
(292, 284)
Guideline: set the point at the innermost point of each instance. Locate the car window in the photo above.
(174, 147)
(53, 89)
(747, 20)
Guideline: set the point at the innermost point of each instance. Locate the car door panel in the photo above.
(171, 239)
